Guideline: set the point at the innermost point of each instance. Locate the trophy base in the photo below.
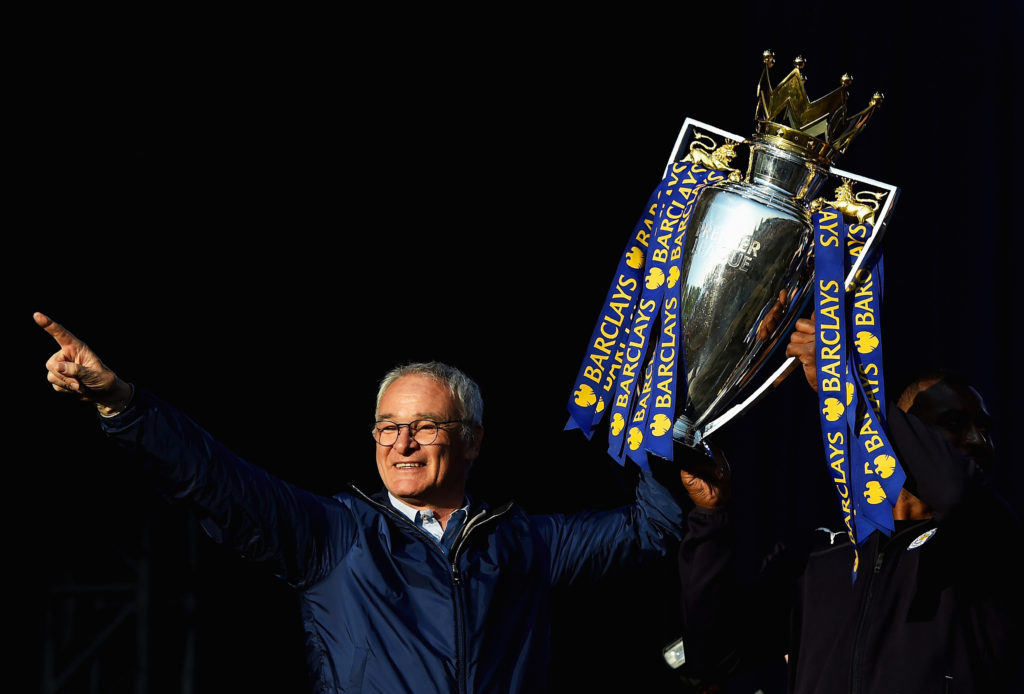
(686, 433)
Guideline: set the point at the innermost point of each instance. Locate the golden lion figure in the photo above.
(858, 206)
(704, 152)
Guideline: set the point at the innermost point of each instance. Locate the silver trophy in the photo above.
(748, 265)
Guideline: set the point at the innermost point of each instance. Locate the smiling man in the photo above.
(414, 411)
(416, 588)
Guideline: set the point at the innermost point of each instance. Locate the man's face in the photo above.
(431, 475)
(959, 414)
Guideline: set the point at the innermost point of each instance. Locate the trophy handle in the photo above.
(881, 221)
(686, 136)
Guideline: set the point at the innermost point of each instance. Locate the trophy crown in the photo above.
(819, 130)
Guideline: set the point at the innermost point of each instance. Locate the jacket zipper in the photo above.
(876, 569)
(476, 521)
(480, 519)
(861, 620)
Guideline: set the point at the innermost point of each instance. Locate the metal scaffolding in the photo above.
(103, 615)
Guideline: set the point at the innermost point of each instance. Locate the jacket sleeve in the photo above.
(589, 545)
(241, 506)
(731, 625)
(707, 587)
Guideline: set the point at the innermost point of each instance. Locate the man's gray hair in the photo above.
(469, 404)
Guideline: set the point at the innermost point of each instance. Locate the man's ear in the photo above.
(473, 447)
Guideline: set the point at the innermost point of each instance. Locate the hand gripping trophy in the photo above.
(717, 270)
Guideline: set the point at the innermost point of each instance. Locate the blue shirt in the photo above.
(428, 521)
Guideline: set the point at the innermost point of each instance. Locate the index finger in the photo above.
(58, 332)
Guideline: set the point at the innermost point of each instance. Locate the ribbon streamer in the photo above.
(631, 367)
(851, 394)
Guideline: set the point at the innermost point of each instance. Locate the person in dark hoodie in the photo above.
(417, 588)
(935, 607)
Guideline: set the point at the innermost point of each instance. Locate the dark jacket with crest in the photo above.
(936, 607)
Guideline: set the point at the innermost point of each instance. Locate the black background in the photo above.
(255, 215)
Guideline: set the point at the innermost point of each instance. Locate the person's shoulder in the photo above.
(358, 500)
(814, 543)
(817, 552)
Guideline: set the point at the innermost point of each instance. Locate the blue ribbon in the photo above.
(623, 371)
(851, 393)
(666, 372)
(878, 475)
(602, 362)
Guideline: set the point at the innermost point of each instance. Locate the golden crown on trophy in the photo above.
(817, 131)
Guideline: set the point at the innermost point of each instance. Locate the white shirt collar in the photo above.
(407, 510)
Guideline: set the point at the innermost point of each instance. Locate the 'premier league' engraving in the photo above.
(730, 247)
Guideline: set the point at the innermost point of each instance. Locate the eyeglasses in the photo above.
(423, 431)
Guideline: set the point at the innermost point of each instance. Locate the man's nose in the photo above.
(977, 443)
(977, 437)
(405, 438)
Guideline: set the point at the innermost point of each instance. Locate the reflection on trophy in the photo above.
(744, 270)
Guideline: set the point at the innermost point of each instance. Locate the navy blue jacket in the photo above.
(384, 609)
